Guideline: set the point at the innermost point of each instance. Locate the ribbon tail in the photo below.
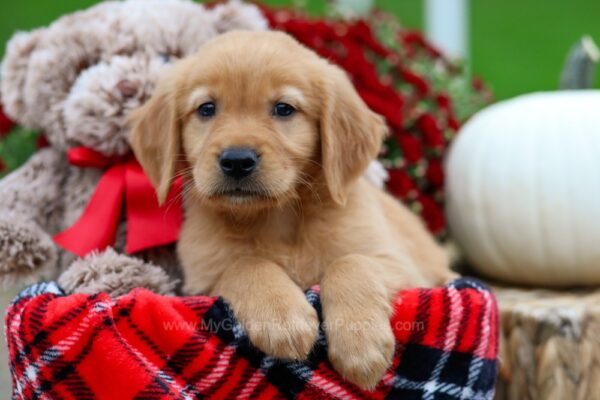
(149, 224)
(97, 227)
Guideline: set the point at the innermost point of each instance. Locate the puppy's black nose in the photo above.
(238, 163)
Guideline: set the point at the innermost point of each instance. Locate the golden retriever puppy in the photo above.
(272, 141)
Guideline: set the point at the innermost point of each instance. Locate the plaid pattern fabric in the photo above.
(146, 346)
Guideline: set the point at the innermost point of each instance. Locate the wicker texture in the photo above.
(550, 344)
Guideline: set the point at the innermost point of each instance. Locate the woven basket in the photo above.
(550, 344)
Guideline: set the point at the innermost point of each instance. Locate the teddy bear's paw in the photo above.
(115, 274)
(27, 253)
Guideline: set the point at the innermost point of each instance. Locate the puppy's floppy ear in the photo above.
(351, 134)
(155, 137)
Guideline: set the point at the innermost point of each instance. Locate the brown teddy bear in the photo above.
(76, 81)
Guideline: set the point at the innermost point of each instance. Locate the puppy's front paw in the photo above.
(286, 330)
(361, 351)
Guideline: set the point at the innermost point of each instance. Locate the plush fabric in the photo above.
(146, 346)
(77, 80)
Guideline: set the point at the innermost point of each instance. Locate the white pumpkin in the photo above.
(523, 189)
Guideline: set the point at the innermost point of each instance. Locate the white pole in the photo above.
(446, 24)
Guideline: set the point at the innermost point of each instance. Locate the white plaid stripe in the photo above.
(218, 371)
(333, 389)
(238, 331)
(53, 352)
(476, 364)
(266, 364)
(450, 389)
(451, 332)
(39, 288)
(312, 296)
(432, 386)
(301, 370)
(429, 388)
(252, 383)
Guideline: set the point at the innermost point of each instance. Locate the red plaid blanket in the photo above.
(146, 346)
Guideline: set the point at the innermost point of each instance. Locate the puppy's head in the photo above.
(256, 119)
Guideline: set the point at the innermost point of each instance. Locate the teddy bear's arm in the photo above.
(30, 210)
(116, 274)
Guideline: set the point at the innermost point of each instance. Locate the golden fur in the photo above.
(311, 220)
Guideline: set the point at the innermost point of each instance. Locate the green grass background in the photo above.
(517, 46)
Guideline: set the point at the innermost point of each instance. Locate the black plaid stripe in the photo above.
(412, 380)
(242, 382)
(423, 311)
(467, 306)
(469, 283)
(442, 331)
(50, 367)
(37, 290)
(210, 365)
(160, 381)
(289, 377)
(154, 347)
(332, 376)
(183, 357)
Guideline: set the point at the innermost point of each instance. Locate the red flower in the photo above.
(411, 148)
(399, 184)
(432, 133)
(2, 166)
(478, 84)
(433, 215)
(362, 32)
(41, 142)
(453, 123)
(413, 39)
(443, 101)
(355, 47)
(420, 84)
(390, 108)
(5, 124)
(435, 173)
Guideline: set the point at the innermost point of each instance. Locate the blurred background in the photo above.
(516, 46)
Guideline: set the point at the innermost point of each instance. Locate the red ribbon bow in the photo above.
(148, 224)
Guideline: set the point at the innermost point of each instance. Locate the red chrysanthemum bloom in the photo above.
(433, 215)
(411, 148)
(5, 124)
(453, 123)
(421, 121)
(41, 141)
(400, 184)
(420, 84)
(430, 128)
(435, 172)
(443, 101)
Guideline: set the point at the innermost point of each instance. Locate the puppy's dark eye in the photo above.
(283, 110)
(207, 110)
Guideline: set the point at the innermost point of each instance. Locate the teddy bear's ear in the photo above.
(235, 15)
(14, 71)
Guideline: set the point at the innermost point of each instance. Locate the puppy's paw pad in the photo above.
(290, 336)
(364, 371)
(362, 356)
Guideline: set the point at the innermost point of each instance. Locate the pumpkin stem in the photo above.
(580, 67)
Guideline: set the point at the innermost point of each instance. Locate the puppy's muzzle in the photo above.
(238, 163)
